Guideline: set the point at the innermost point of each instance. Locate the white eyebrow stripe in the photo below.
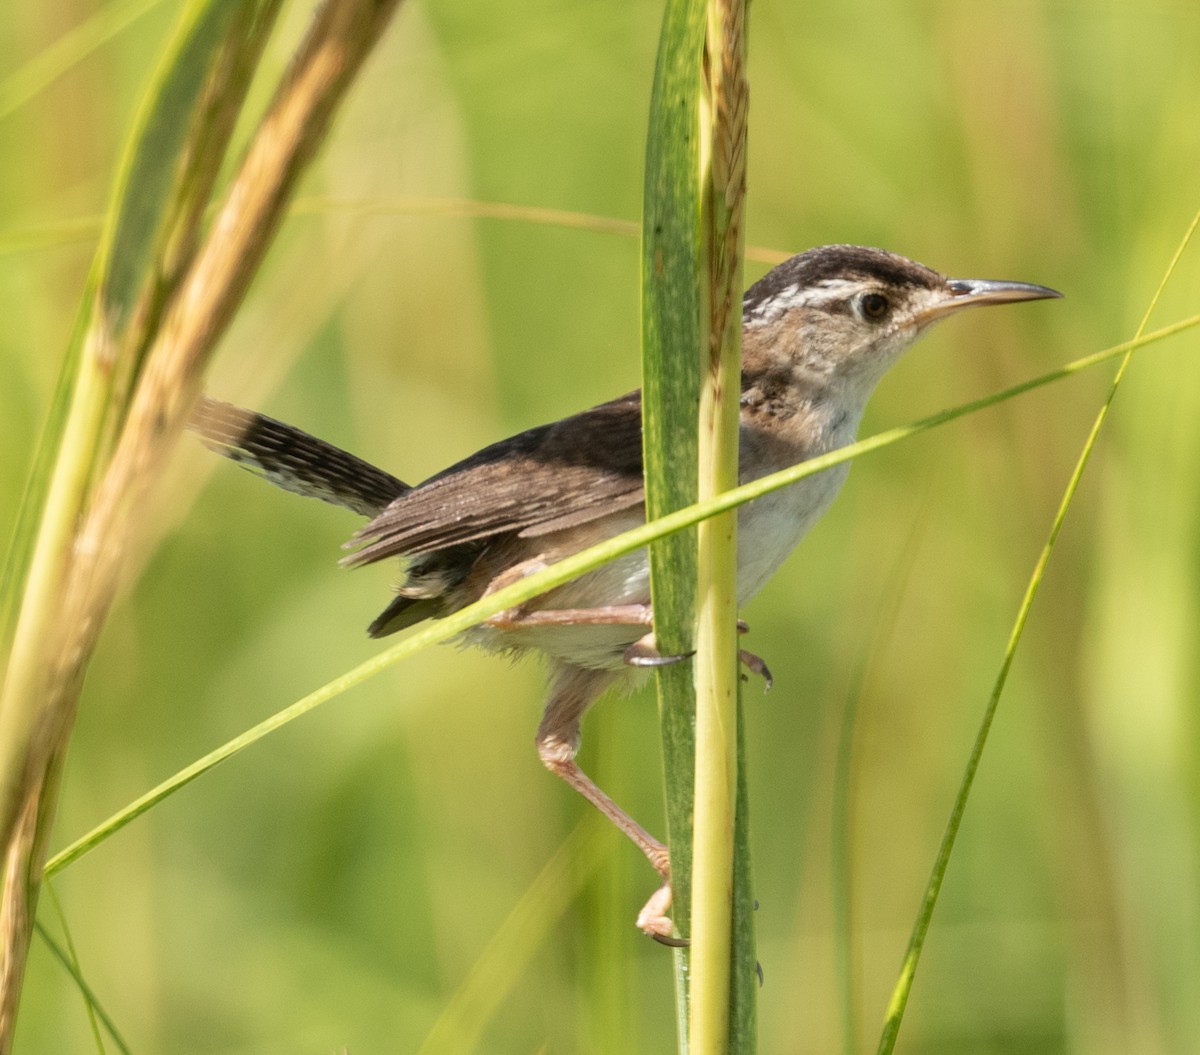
(843, 287)
(824, 292)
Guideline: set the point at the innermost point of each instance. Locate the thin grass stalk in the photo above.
(464, 1017)
(96, 1014)
(152, 351)
(86, 228)
(899, 999)
(98, 1018)
(34, 76)
(723, 115)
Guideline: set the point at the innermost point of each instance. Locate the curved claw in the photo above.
(635, 660)
(671, 941)
(644, 653)
(755, 665)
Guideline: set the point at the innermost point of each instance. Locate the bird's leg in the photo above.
(609, 615)
(642, 653)
(572, 691)
(523, 617)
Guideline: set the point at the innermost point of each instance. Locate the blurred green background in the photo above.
(356, 881)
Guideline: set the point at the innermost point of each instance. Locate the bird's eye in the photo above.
(874, 306)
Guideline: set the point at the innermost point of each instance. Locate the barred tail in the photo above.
(294, 460)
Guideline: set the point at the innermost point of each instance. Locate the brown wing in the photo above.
(538, 481)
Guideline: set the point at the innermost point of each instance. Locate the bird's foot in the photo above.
(644, 653)
(653, 919)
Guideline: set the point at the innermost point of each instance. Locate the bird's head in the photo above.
(840, 315)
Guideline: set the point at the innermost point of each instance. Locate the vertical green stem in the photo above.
(692, 235)
(671, 381)
(722, 181)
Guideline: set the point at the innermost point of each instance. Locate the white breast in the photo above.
(769, 528)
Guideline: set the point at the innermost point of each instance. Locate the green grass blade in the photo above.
(900, 994)
(146, 214)
(168, 169)
(93, 1004)
(671, 343)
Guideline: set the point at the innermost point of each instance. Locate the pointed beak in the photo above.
(968, 292)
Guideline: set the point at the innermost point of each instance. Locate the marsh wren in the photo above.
(818, 333)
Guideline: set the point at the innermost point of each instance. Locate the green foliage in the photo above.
(672, 337)
(336, 886)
